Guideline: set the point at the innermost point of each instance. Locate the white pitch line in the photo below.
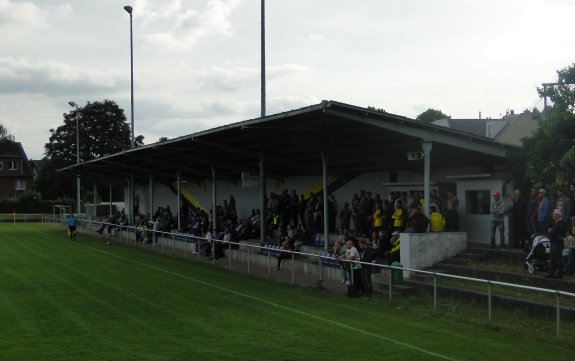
(293, 310)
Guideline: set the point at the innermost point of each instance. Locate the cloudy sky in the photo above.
(196, 62)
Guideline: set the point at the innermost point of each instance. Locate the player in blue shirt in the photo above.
(72, 223)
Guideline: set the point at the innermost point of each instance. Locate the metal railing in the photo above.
(21, 217)
(127, 232)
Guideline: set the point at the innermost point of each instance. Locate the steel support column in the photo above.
(151, 194)
(111, 199)
(426, 147)
(132, 199)
(214, 210)
(263, 204)
(95, 207)
(325, 207)
(178, 204)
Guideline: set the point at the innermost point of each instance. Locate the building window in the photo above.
(478, 202)
(20, 184)
(13, 165)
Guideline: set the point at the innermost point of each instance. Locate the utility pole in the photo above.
(263, 60)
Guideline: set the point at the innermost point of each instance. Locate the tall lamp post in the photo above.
(72, 104)
(129, 11)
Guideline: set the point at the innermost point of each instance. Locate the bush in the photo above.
(29, 202)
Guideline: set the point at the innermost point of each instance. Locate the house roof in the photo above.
(15, 150)
(518, 127)
(353, 139)
(510, 129)
(11, 149)
(473, 126)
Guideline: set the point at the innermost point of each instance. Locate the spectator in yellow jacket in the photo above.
(398, 216)
(436, 220)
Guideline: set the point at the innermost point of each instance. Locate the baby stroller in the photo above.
(538, 256)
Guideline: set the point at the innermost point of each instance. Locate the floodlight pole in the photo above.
(129, 11)
(73, 104)
(263, 58)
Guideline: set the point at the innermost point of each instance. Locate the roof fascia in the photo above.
(433, 134)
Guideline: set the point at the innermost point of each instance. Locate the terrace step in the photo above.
(477, 247)
(499, 301)
(473, 256)
(396, 290)
(509, 255)
(522, 278)
(457, 261)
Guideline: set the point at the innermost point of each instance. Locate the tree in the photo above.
(53, 184)
(372, 108)
(103, 130)
(562, 93)
(547, 157)
(549, 154)
(4, 135)
(431, 115)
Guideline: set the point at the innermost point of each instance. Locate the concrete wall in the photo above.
(162, 197)
(422, 250)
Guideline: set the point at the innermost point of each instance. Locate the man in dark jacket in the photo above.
(531, 213)
(366, 255)
(417, 222)
(518, 220)
(557, 238)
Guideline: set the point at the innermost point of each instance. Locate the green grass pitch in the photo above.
(83, 300)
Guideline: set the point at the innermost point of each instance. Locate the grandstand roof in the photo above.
(354, 139)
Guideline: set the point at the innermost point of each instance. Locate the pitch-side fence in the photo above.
(169, 241)
(21, 217)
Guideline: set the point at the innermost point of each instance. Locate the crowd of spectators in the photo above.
(377, 218)
(539, 214)
(292, 220)
(298, 219)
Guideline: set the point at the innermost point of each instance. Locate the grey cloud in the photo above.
(54, 78)
(174, 27)
(22, 13)
(29, 15)
(236, 78)
(227, 79)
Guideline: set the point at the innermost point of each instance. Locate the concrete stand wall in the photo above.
(422, 250)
